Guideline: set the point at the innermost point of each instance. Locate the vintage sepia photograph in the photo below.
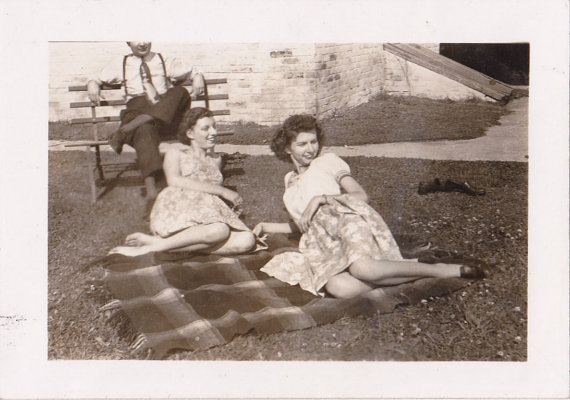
(284, 200)
(260, 201)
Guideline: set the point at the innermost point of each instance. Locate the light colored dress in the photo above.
(340, 233)
(178, 208)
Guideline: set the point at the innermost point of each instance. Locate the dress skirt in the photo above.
(341, 232)
(176, 209)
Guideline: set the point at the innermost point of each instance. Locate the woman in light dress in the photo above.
(346, 247)
(189, 214)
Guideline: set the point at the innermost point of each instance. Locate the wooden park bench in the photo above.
(96, 167)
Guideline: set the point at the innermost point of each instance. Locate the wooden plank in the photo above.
(75, 121)
(88, 143)
(221, 112)
(451, 69)
(104, 103)
(424, 61)
(115, 103)
(462, 69)
(95, 120)
(96, 143)
(83, 88)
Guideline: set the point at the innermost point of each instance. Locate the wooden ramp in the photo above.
(451, 69)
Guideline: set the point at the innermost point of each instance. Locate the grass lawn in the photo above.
(384, 119)
(487, 320)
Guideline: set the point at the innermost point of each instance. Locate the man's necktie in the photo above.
(149, 89)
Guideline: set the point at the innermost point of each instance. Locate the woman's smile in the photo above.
(304, 149)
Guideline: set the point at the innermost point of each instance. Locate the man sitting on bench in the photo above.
(154, 105)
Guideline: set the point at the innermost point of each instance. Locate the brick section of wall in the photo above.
(266, 82)
(347, 75)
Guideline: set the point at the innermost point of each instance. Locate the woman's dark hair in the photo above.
(189, 120)
(288, 132)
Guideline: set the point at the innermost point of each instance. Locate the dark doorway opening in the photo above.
(507, 62)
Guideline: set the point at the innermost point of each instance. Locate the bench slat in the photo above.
(83, 88)
(104, 103)
(95, 120)
(117, 118)
(94, 143)
(93, 147)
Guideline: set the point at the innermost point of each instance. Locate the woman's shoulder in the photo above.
(215, 156)
(174, 148)
(328, 159)
(288, 176)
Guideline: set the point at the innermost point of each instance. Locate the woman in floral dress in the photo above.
(189, 214)
(346, 247)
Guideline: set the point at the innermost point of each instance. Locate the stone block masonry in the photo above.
(267, 82)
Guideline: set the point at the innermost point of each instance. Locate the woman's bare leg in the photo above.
(195, 238)
(239, 242)
(345, 286)
(236, 243)
(385, 272)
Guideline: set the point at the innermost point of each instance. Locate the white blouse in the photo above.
(322, 177)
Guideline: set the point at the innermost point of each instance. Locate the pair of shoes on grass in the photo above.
(449, 186)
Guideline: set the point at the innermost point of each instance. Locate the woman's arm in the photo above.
(275, 227)
(350, 187)
(174, 178)
(353, 188)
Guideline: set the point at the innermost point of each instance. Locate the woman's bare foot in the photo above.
(131, 251)
(138, 239)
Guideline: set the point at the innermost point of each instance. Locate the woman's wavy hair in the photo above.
(288, 132)
(189, 120)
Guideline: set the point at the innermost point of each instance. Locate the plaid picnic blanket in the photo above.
(176, 301)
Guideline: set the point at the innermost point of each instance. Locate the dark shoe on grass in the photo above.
(462, 187)
(473, 271)
(449, 186)
(430, 187)
(471, 268)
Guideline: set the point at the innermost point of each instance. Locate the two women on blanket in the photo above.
(345, 248)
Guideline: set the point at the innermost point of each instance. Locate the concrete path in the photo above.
(505, 142)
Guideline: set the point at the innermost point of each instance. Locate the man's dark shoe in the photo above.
(117, 141)
(449, 186)
(463, 187)
(430, 187)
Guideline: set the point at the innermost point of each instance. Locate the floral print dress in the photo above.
(177, 208)
(341, 231)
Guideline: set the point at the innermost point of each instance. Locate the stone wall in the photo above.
(266, 82)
